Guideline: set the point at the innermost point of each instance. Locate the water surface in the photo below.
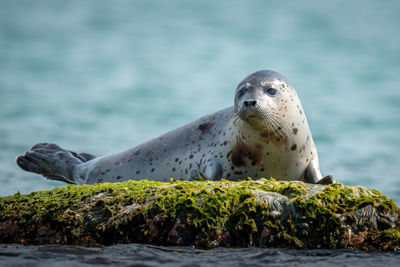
(145, 255)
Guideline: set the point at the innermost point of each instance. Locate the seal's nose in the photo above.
(250, 103)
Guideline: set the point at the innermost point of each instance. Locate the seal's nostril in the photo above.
(250, 103)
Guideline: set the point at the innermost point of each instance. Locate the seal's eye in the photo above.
(270, 91)
(242, 91)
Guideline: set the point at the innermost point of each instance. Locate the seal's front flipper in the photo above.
(215, 169)
(313, 174)
(212, 172)
(327, 180)
(194, 173)
(52, 161)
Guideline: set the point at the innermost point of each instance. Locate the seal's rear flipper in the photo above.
(52, 161)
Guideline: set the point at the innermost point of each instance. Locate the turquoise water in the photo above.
(100, 77)
(103, 76)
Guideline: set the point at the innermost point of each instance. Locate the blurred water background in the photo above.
(103, 76)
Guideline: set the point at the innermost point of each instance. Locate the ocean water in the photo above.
(136, 255)
(104, 76)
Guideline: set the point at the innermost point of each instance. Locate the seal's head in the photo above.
(261, 98)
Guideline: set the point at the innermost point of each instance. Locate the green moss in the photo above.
(395, 232)
(266, 213)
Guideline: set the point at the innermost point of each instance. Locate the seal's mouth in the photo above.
(263, 123)
(262, 119)
(252, 116)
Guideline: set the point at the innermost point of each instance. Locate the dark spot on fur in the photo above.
(191, 156)
(225, 143)
(293, 147)
(295, 130)
(243, 154)
(137, 172)
(264, 134)
(176, 160)
(238, 173)
(205, 127)
(173, 169)
(302, 148)
(152, 170)
(119, 177)
(262, 169)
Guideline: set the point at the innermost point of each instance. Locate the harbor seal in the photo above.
(265, 134)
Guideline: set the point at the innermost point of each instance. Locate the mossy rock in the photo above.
(204, 214)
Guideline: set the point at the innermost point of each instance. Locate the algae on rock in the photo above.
(204, 214)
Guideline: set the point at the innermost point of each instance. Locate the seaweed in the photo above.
(204, 214)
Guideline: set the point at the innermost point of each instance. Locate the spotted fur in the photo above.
(265, 134)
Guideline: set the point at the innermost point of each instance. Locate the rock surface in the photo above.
(204, 214)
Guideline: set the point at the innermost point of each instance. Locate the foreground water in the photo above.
(145, 255)
(101, 76)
